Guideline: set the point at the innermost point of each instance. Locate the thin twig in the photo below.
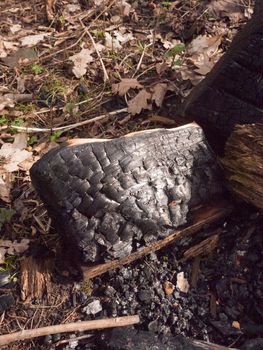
(141, 58)
(105, 74)
(69, 327)
(46, 110)
(81, 337)
(66, 127)
(100, 14)
(43, 58)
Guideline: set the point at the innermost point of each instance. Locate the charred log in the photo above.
(232, 92)
(110, 197)
(131, 339)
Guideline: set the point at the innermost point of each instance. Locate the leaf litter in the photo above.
(153, 52)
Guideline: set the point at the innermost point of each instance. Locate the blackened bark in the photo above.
(110, 197)
(232, 93)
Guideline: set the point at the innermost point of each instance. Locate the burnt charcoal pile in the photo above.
(223, 305)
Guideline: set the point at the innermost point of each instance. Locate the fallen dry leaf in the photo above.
(15, 247)
(168, 287)
(81, 60)
(190, 74)
(124, 85)
(111, 42)
(2, 48)
(205, 52)
(204, 43)
(205, 64)
(6, 101)
(125, 8)
(32, 40)
(100, 2)
(233, 9)
(161, 68)
(72, 8)
(159, 90)
(15, 28)
(12, 154)
(5, 187)
(9, 247)
(139, 102)
(2, 255)
(10, 45)
(115, 40)
(182, 283)
(122, 36)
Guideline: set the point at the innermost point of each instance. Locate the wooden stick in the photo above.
(66, 127)
(105, 74)
(210, 346)
(205, 215)
(203, 248)
(69, 327)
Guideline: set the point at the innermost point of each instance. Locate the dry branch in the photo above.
(66, 127)
(202, 248)
(49, 9)
(105, 74)
(205, 215)
(69, 327)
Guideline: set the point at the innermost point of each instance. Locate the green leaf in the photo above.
(55, 135)
(176, 50)
(37, 69)
(32, 139)
(3, 120)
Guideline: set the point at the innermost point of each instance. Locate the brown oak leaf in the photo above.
(139, 102)
(124, 85)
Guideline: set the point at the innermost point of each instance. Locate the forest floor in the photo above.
(102, 69)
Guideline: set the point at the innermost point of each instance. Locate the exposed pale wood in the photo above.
(243, 163)
(210, 346)
(35, 278)
(69, 327)
(202, 216)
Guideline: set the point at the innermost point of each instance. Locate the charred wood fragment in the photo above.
(131, 339)
(110, 197)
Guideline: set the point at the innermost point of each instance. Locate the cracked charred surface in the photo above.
(232, 92)
(110, 197)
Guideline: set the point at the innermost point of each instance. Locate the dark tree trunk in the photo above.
(232, 93)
